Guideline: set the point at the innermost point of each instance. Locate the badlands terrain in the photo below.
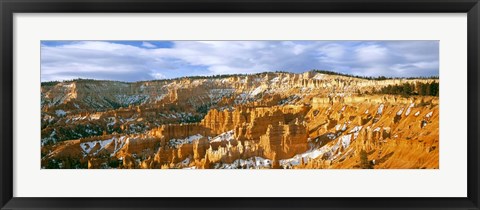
(272, 120)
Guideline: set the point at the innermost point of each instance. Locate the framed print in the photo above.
(239, 105)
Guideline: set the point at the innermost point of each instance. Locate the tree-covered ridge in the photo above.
(408, 89)
(221, 76)
(370, 77)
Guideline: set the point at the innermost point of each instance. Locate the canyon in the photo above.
(270, 120)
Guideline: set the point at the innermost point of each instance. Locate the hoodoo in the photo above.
(267, 120)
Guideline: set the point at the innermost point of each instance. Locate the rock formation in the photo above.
(266, 120)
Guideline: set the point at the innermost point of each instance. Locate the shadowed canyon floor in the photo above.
(313, 120)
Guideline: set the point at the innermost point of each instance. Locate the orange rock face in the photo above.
(267, 120)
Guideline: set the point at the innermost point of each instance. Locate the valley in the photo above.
(271, 120)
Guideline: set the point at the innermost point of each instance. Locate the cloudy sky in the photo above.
(147, 60)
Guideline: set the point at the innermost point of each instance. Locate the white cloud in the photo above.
(371, 53)
(333, 51)
(405, 67)
(158, 75)
(148, 45)
(116, 61)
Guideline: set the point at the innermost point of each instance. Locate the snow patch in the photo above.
(319, 76)
(409, 109)
(429, 114)
(60, 113)
(88, 146)
(119, 143)
(346, 140)
(227, 136)
(177, 142)
(380, 109)
(304, 157)
(250, 163)
(417, 113)
(356, 129)
(400, 111)
(126, 100)
(113, 119)
(331, 136)
(159, 98)
(257, 91)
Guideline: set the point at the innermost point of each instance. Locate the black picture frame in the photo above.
(10, 7)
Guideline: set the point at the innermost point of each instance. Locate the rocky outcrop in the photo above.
(284, 141)
(267, 120)
(179, 131)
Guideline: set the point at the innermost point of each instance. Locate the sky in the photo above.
(132, 61)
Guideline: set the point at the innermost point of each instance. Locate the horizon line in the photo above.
(329, 72)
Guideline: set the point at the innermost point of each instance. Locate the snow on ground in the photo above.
(78, 118)
(319, 76)
(429, 114)
(346, 140)
(227, 136)
(275, 80)
(188, 140)
(424, 123)
(59, 100)
(343, 128)
(119, 143)
(88, 146)
(417, 113)
(250, 163)
(400, 111)
(113, 119)
(131, 99)
(343, 141)
(133, 118)
(331, 136)
(311, 154)
(60, 112)
(160, 97)
(356, 129)
(216, 94)
(49, 138)
(380, 109)
(409, 109)
(241, 98)
(257, 91)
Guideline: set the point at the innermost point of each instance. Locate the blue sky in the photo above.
(147, 60)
